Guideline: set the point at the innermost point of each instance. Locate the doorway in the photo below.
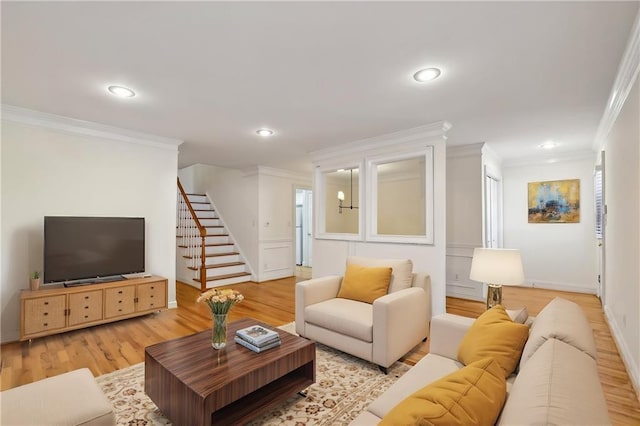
(304, 236)
(601, 212)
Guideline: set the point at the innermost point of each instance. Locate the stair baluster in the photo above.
(190, 235)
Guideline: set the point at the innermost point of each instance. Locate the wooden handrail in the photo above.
(203, 234)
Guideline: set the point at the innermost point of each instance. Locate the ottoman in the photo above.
(70, 399)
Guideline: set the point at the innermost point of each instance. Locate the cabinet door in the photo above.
(85, 307)
(119, 301)
(44, 314)
(152, 296)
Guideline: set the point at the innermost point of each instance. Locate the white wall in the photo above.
(622, 232)
(465, 215)
(559, 256)
(330, 254)
(277, 222)
(50, 172)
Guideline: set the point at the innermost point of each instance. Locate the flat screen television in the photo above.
(92, 249)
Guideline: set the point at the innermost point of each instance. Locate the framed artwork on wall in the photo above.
(554, 201)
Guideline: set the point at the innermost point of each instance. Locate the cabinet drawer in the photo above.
(85, 307)
(44, 313)
(119, 301)
(152, 296)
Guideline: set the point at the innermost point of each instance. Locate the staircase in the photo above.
(205, 244)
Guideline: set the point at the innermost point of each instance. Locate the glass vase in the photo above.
(219, 331)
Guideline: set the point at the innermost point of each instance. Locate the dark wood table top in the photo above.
(194, 362)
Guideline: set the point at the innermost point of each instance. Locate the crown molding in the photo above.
(272, 171)
(84, 128)
(627, 75)
(389, 141)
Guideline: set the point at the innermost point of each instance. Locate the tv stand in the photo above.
(56, 308)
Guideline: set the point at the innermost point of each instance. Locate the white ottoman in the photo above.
(70, 399)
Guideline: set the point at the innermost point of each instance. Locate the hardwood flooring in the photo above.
(110, 347)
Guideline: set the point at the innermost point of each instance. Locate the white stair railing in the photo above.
(192, 233)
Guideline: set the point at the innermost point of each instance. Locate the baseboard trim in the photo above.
(550, 285)
(173, 304)
(625, 353)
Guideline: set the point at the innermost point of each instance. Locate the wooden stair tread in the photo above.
(211, 245)
(204, 210)
(204, 226)
(222, 277)
(231, 253)
(219, 265)
(198, 195)
(200, 236)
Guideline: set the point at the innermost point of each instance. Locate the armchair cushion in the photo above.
(495, 335)
(401, 274)
(330, 314)
(365, 284)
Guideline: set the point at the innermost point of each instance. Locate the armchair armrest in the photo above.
(447, 331)
(311, 292)
(400, 322)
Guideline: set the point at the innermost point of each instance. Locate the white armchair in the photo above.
(381, 332)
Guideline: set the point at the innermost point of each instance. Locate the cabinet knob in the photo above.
(151, 296)
(119, 301)
(45, 314)
(120, 292)
(86, 298)
(86, 316)
(46, 324)
(152, 287)
(119, 310)
(46, 303)
(86, 307)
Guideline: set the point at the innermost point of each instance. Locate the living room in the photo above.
(68, 149)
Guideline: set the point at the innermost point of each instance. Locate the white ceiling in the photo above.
(515, 74)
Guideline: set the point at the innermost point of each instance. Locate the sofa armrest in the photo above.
(311, 292)
(447, 331)
(400, 322)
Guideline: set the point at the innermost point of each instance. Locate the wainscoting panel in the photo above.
(276, 260)
(458, 267)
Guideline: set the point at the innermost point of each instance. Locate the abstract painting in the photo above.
(554, 201)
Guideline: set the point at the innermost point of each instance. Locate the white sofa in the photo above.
(557, 382)
(381, 332)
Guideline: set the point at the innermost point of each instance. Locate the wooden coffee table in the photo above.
(194, 384)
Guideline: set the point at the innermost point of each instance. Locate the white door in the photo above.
(492, 212)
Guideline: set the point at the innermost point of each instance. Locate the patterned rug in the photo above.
(344, 386)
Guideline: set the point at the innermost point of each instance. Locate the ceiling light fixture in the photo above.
(264, 132)
(548, 145)
(427, 74)
(121, 91)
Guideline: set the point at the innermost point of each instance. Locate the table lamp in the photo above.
(496, 267)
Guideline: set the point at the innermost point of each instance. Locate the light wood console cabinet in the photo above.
(57, 309)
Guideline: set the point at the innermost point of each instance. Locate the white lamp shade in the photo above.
(497, 266)
(340, 195)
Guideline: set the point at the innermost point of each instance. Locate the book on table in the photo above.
(258, 336)
(255, 348)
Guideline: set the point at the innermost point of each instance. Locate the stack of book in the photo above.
(257, 338)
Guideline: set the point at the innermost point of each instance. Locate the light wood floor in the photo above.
(110, 347)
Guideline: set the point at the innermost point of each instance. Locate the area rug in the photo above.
(344, 386)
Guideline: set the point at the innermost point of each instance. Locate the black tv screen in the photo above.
(78, 248)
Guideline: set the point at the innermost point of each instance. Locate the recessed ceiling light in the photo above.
(548, 145)
(121, 91)
(264, 132)
(427, 74)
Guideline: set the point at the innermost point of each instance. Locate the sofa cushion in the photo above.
(472, 395)
(364, 284)
(563, 320)
(401, 274)
(343, 316)
(493, 334)
(559, 385)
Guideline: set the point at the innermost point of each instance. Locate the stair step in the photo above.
(222, 277)
(219, 265)
(231, 253)
(210, 245)
(198, 195)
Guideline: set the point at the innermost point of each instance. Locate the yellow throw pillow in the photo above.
(473, 395)
(493, 334)
(364, 284)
